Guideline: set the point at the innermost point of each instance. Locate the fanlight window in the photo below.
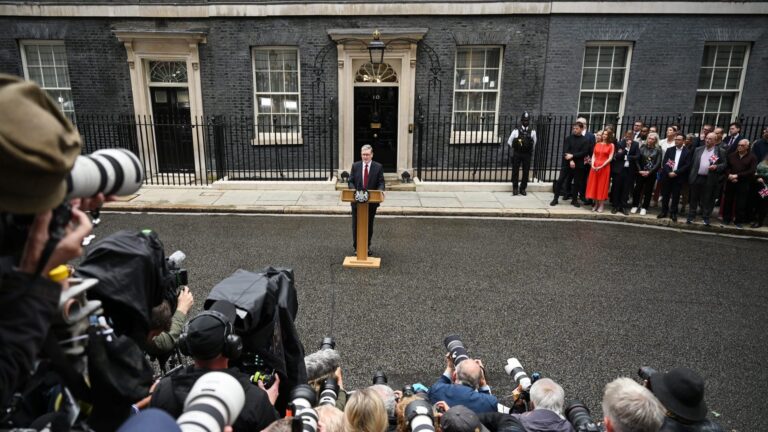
(168, 72)
(376, 73)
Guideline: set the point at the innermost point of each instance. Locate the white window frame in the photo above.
(276, 138)
(737, 98)
(25, 65)
(474, 137)
(622, 92)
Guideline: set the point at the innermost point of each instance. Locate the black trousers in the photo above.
(371, 216)
(737, 193)
(670, 188)
(702, 194)
(644, 187)
(525, 160)
(568, 174)
(622, 183)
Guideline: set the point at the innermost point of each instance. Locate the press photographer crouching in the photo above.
(210, 340)
(681, 391)
(38, 147)
(630, 407)
(463, 381)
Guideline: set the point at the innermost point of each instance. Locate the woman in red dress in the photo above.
(600, 175)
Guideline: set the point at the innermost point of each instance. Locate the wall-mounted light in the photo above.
(376, 49)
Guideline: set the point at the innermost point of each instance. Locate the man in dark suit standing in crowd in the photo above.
(760, 147)
(576, 146)
(733, 138)
(366, 174)
(623, 169)
(674, 168)
(707, 165)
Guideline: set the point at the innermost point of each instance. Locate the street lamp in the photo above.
(376, 49)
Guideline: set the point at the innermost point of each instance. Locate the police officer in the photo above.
(522, 140)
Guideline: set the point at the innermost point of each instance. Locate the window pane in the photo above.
(700, 101)
(461, 102)
(46, 56)
(585, 103)
(477, 58)
(617, 79)
(61, 74)
(705, 78)
(709, 56)
(713, 103)
(49, 77)
(292, 82)
(275, 62)
(462, 58)
(620, 57)
(737, 55)
(489, 102)
(262, 81)
(492, 58)
(732, 82)
(475, 78)
(590, 57)
(60, 55)
(726, 103)
(36, 75)
(290, 60)
(588, 79)
(276, 83)
(462, 78)
(490, 79)
(723, 56)
(598, 103)
(475, 101)
(603, 79)
(613, 102)
(32, 55)
(718, 79)
(606, 57)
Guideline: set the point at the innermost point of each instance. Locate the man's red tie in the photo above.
(365, 177)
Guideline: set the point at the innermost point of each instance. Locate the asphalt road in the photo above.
(580, 302)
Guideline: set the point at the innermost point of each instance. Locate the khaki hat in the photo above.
(38, 147)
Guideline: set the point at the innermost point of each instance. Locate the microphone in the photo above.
(322, 363)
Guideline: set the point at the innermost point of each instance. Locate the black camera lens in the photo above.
(379, 378)
(645, 372)
(579, 416)
(408, 390)
(419, 415)
(455, 346)
(329, 392)
(303, 391)
(328, 343)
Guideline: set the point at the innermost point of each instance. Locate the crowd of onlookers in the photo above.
(685, 174)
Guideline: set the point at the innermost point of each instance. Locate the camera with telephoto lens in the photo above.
(329, 392)
(456, 348)
(110, 171)
(419, 416)
(408, 390)
(302, 400)
(515, 369)
(215, 401)
(645, 372)
(380, 378)
(580, 418)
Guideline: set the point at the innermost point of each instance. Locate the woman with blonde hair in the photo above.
(365, 412)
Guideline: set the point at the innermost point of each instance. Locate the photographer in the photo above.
(548, 400)
(38, 147)
(681, 391)
(164, 334)
(210, 340)
(464, 384)
(630, 407)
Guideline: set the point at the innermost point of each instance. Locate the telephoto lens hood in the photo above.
(419, 416)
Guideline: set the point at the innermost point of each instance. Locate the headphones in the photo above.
(232, 343)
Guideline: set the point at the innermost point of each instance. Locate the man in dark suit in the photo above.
(707, 164)
(674, 168)
(575, 148)
(366, 174)
(623, 169)
(733, 138)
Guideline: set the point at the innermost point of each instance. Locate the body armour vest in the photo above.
(524, 142)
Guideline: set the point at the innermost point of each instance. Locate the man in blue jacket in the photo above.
(464, 384)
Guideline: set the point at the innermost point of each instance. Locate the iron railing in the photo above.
(476, 150)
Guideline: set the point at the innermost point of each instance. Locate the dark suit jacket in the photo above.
(618, 158)
(683, 165)
(732, 147)
(375, 176)
(712, 177)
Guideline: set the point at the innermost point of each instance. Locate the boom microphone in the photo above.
(321, 364)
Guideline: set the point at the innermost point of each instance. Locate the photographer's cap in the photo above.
(38, 146)
(681, 390)
(206, 332)
(461, 419)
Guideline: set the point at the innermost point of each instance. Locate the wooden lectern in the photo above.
(362, 260)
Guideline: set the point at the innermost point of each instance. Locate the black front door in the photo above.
(376, 123)
(173, 131)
